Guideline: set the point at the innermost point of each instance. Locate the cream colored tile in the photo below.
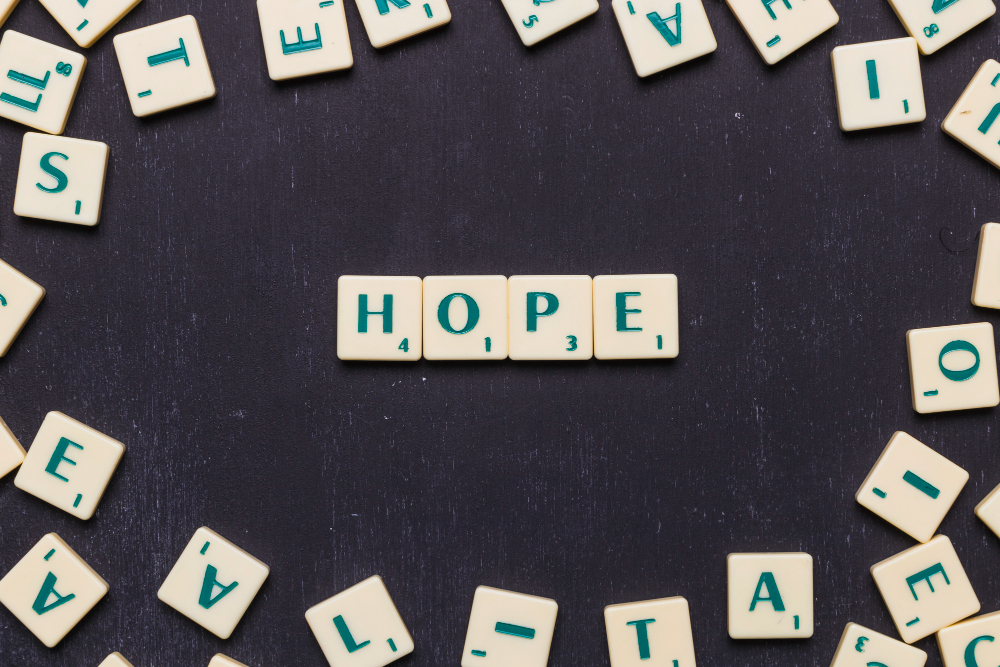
(861, 647)
(972, 119)
(51, 589)
(986, 285)
(219, 660)
(770, 595)
(779, 27)
(655, 630)
(953, 367)
(86, 22)
(911, 486)
(69, 465)
(11, 452)
(116, 660)
(936, 23)
(390, 21)
(925, 589)
(535, 20)
(988, 510)
(6, 7)
(551, 317)
(652, 32)
(971, 643)
(303, 37)
(19, 296)
(379, 318)
(360, 627)
(465, 317)
(61, 179)
(878, 84)
(508, 628)
(41, 82)
(635, 316)
(213, 582)
(164, 66)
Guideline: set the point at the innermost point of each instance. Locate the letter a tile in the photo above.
(973, 118)
(51, 589)
(770, 595)
(953, 367)
(653, 35)
(213, 582)
(656, 630)
(508, 629)
(861, 647)
(971, 643)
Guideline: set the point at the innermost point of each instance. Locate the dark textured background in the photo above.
(196, 325)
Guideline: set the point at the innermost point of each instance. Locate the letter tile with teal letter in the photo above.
(69, 465)
(379, 318)
(39, 81)
(115, 660)
(953, 367)
(535, 20)
(61, 179)
(635, 317)
(164, 66)
(657, 631)
(551, 317)
(934, 23)
(986, 284)
(925, 589)
(391, 21)
(360, 627)
(465, 317)
(654, 36)
(51, 589)
(770, 595)
(861, 647)
(11, 452)
(911, 486)
(86, 21)
(304, 37)
(971, 643)
(219, 660)
(973, 119)
(988, 510)
(19, 296)
(778, 27)
(508, 629)
(213, 582)
(878, 84)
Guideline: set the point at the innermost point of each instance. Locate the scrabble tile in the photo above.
(936, 23)
(508, 628)
(635, 317)
(535, 20)
(164, 66)
(779, 27)
(51, 589)
(41, 83)
(656, 630)
(878, 84)
(925, 589)
(971, 643)
(986, 285)
(551, 317)
(465, 317)
(11, 452)
(6, 7)
(988, 510)
(303, 37)
(770, 595)
(953, 367)
(116, 660)
(379, 318)
(861, 647)
(61, 179)
(652, 32)
(912, 486)
(390, 21)
(972, 119)
(213, 582)
(360, 627)
(69, 465)
(86, 22)
(19, 296)
(219, 660)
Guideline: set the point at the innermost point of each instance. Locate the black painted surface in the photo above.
(196, 324)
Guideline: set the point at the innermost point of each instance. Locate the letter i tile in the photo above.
(51, 589)
(11, 452)
(878, 84)
(213, 582)
(61, 179)
(770, 595)
(360, 627)
(925, 589)
(508, 628)
(40, 81)
(973, 118)
(861, 647)
(303, 37)
(535, 20)
(971, 643)
(655, 630)
(86, 22)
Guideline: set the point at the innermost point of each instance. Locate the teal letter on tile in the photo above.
(49, 588)
(363, 313)
(970, 650)
(965, 373)
(673, 39)
(208, 586)
(345, 634)
(622, 311)
(51, 170)
(470, 323)
(59, 455)
(990, 117)
(925, 575)
(773, 595)
(551, 306)
(643, 636)
(767, 6)
(383, 6)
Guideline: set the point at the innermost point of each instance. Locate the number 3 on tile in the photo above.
(405, 345)
(572, 344)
